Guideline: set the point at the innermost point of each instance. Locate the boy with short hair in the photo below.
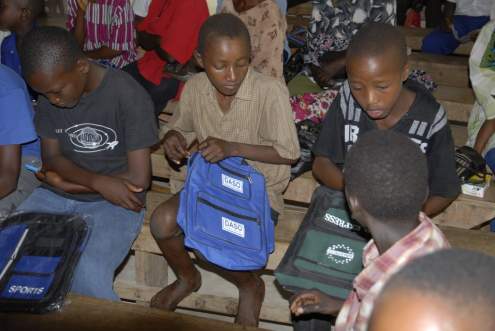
(231, 110)
(19, 143)
(449, 290)
(386, 178)
(96, 126)
(104, 29)
(19, 17)
(377, 96)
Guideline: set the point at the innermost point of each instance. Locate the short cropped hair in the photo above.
(222, 25)
(375, 39)
(387, 173)
(45, 48)
(459, 277)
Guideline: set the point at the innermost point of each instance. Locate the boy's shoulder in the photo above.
(425, 107)
(10, 80)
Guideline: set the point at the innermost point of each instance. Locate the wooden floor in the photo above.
(89, 314)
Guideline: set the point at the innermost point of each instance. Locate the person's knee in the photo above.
(439, 42)
(163, 223)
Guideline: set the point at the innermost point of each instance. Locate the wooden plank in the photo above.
(444, 70)
(457, 101)
(90, 314)
(459, 133)
(204, 302)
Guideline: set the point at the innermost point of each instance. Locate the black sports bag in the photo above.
(326, 252)
(38, 255)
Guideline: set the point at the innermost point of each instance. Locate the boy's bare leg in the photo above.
(251, 294)
(170, 239)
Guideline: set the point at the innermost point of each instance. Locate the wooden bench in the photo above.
(146, 272)
(89, 314)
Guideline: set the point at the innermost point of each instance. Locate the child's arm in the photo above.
(10, 166)
(214, 150)
(79, 27)
(103, 52)
(434, 205)
(484, 134)
(314, 301)
(116, 190)
(328, 173)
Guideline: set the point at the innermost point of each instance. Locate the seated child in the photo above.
(375, 97)
(231, 110)
(386, 183)
(481, 125)
(96, 126)
(19, 17)
(449, 290)
(460, 19)
(104, 30)
(19, 143)
(168, 34)
(267, 26)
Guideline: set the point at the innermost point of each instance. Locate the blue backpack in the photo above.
(38, 256)
(225, 213)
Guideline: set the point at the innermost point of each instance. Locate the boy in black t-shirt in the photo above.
(96, 126)
(375, 97)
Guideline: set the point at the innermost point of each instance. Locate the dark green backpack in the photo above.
(326, 252)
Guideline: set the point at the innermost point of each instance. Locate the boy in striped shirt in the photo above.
(104, 29)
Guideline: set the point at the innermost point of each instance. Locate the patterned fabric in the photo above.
(334, 22)
(108, 23)
(425, 239)
(312, 106)
(267, 26)
(482, 76)
(260, 114)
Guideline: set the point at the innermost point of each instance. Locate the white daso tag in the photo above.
(233, 227)
(232, 183)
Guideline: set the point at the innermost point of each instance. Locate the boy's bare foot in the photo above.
(251, 298)
(173, 294)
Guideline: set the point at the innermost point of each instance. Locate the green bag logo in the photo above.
(340, 254)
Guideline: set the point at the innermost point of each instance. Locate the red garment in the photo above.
(177, 22)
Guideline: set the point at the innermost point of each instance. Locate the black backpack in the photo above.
(326, 252)
(38, 255)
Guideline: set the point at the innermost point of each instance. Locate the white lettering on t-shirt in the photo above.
(92, 138)
(351, 133)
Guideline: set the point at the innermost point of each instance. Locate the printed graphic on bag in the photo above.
(339, 218)
(341, 254)
(233, 227)
(234, 184)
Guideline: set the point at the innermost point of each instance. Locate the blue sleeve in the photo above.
(16, 118)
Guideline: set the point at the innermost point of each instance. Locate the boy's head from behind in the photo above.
(13, 13)
(224, 50)
(386, 178)
(376, 64)
(449, 290)
(54, 65)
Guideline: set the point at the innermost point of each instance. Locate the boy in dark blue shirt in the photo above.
(96, 126)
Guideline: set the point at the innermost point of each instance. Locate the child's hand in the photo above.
(314, 301)
(214, 149)
(83, 4)
(119, 192)
(175, 146)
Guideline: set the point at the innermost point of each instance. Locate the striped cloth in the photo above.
(109, 23)
(357, 309)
